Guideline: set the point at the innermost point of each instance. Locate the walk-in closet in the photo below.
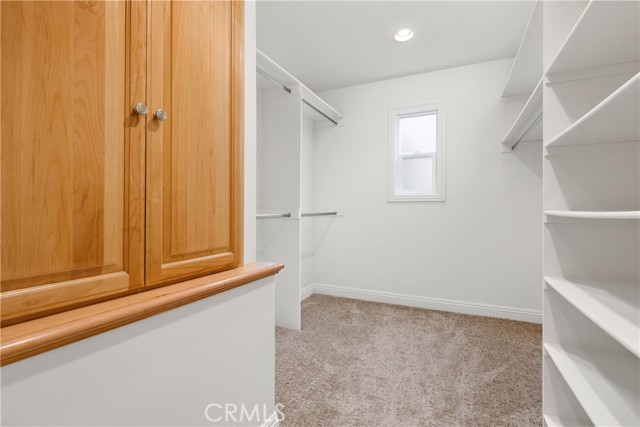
(568, 106)
(310, 213)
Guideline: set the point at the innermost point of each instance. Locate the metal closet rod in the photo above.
(302, 215)
(276, 215)
(288, 90)
(274, 81)
(526, 132)
(318, 214)
(320, 112)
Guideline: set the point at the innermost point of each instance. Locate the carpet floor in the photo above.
(366, 364)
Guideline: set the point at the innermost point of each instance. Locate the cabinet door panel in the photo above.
(194, 158)
(67, 236)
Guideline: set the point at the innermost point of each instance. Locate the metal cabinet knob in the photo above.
(140, 109)
(160, 115)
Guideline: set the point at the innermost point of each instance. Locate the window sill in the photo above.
(416, 198)
(40, 335)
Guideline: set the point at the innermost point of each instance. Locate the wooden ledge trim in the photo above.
(37, 336)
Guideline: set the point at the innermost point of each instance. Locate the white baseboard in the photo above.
(307, 292)
(272, 421)
(488, 310)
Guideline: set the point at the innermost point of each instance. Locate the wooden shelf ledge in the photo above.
(40, 335)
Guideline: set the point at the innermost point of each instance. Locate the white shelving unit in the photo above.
(596, 215)
(612, 120)
(527, 66)
(591, 376)
(272, 75)
(591, 180)
(553, 421)
(525, 81)
(528, 124)
(613, 307)
(564, 410)
(289, 114)
(550, 421)
(590, 45)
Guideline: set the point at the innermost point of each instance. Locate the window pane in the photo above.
(417, 133)
(417, 175)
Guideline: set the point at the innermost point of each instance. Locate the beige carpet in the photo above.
(359, 364)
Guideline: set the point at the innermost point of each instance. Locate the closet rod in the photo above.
(526, 132)
(272, 80)
(277, 215)
(288, 90)
(318, 214)
(320, 112)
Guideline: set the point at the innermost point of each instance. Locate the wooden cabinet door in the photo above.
(72, 153)
(194, 158)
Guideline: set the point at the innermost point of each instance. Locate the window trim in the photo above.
(394, 156)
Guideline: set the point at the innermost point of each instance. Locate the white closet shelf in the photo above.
(592, 378)
(615, 119)
(553, 421)
(606, 33)
(550, 421)
(269, 69)
(528, 121)
(559, 421)
(319, 106)
(614, 308)
(527, 66)
(596, 215)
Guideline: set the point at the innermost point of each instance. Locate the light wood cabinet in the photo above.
(194, 185)
(96, 200)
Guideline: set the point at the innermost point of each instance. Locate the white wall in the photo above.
(160, 371)
(163, 370)
(482, 246)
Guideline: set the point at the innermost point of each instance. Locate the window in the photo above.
(416, 153)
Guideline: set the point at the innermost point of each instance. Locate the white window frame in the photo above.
(395, 157)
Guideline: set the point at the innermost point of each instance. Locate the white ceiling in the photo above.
(333, 44)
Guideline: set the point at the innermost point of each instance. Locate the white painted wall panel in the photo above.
(160, 371)
(483, 245)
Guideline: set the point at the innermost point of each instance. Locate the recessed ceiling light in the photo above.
(404, 35)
